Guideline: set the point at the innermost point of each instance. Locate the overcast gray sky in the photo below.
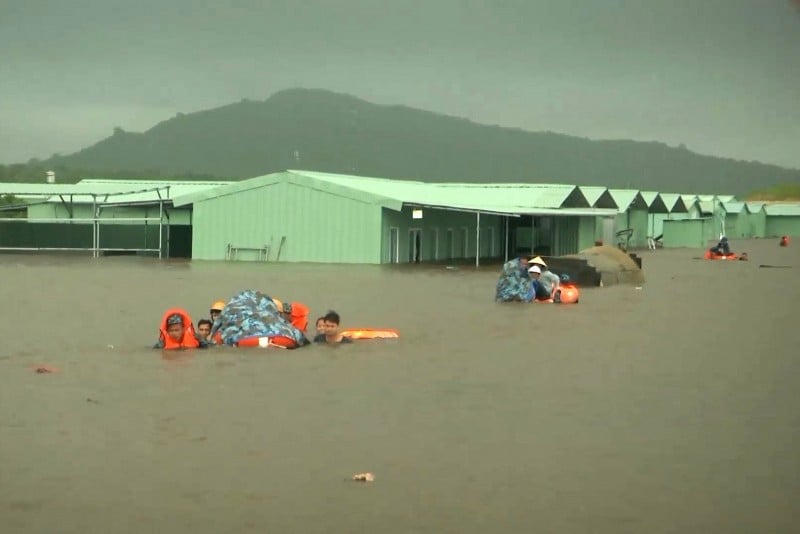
(721, 76)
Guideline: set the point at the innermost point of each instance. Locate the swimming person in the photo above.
(177, 332)
(723, 247)
(331, 327)
(320, 326)
(204, 329)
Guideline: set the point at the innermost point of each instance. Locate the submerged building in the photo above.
(302, 216)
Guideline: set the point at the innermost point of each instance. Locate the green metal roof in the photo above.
(706, 206)
(673, 202)
(733, 207)
(543, 196)
(108, 190)
(689, 200)
(169, 189)
(754, 207)
(598, 197)
(491, 198)
(726, 198)
(64, 189)
(782, 209)
(626, 199)
(655, 204)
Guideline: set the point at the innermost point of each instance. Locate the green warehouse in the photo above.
(782, 219)
(303, 216)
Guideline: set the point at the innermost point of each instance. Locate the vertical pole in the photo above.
(160, 225)
(507, 238)
(477, 239)
(533, 236)
(95, 228)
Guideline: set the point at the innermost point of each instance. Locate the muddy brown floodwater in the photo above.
(671, 408)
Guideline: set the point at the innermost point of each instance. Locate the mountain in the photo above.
(324, 131)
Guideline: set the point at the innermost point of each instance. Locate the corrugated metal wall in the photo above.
(757, 224)
(318, 226)
(785, 225)
(567, 230)
(736, 225)
(586, 233)
(639, 220)
(693, 233)
(443, 235)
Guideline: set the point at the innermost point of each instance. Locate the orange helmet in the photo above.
(218, 306)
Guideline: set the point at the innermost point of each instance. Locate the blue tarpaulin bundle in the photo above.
(514, 284)
(253, 314)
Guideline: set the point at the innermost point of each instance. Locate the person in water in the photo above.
(294, 313)
(331, 330)
(177, 332)
(723, 247)
(547, 280)
(216, 310)
(204, 329)
(320, 325)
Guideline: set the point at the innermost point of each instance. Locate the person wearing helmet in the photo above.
(294, 313)
(177, 332)
(216, 309)
(546, 281)
(723, 247)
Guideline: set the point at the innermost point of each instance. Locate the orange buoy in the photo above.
(565, 293)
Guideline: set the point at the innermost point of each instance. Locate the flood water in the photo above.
(670, 408)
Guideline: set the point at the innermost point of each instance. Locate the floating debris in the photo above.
(364, 477)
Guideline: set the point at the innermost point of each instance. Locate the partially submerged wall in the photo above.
(613, 265)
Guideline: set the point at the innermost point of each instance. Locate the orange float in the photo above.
(565, 293)
(717, 256)
(264, 342)
(370, 333)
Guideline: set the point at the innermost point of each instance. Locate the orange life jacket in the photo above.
(299, 316)
(189, 340)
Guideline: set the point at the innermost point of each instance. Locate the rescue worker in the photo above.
(722, 247)
(177, 332)
(294, 313)
(216, 309)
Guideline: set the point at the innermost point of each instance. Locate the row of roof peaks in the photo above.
(502, 198)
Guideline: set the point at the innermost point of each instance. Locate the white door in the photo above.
(609, 231)
(394, 245)
(414, 245)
